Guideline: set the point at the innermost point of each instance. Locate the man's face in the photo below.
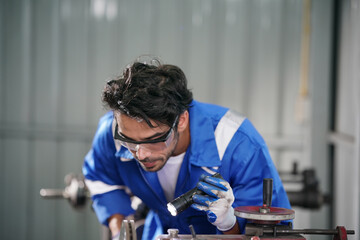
(150, 156)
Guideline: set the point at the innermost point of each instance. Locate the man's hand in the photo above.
(216, 203)
(115, 222)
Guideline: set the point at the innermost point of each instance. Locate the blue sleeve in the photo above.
(100, 169)
(248, 163)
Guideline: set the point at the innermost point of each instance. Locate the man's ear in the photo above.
(183, 121)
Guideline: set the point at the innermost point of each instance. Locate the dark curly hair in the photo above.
(147, 92)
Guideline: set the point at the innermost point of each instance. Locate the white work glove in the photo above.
(216, 202)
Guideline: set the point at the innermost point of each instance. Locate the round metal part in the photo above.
(173, 232)
(254, 213)
(264, 210)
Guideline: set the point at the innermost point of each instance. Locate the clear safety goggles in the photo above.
(153, 145)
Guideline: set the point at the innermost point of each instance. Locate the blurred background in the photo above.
(291, 66)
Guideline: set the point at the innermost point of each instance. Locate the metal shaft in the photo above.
(306, 231)
(267, 191)
(52, 193)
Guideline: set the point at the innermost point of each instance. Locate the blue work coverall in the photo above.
(221, 141)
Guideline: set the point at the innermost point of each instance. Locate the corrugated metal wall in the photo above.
(56, 56)
(346, 133)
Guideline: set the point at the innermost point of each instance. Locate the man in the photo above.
(157, 142)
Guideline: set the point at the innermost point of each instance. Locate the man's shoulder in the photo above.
(206, 113)
(226, 118)
(208, 108)
(107, 117)
(103, 132)
(250, 131)
(105, 121)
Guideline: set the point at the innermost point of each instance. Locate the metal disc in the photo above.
(275, 214)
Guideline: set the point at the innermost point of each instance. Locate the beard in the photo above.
(159, 160)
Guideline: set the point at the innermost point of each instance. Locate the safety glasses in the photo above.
(153, 145)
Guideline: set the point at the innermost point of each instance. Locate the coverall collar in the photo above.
(202, 150)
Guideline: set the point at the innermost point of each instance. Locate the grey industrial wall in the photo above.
(57, 55)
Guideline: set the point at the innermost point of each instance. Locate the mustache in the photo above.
(147, 160)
